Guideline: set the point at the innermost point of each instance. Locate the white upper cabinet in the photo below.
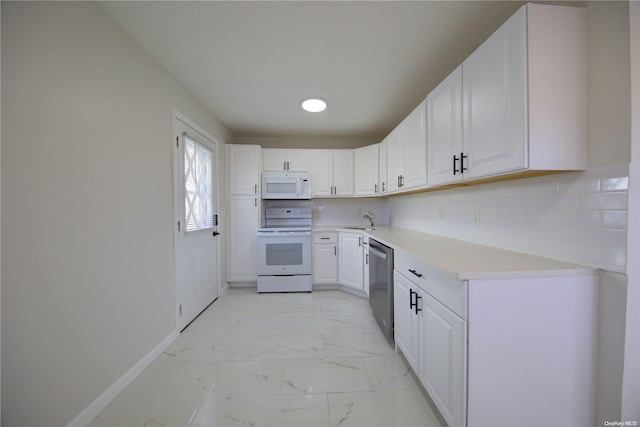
(243, 162)
(444, 130)
(407, 152)
(413, 137)
(332, 173)
(518, 103)
(366, 170)
(383, 185)
(393, 160)
(291, 160)
(494, 88)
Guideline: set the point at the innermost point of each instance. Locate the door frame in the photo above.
(177, 119)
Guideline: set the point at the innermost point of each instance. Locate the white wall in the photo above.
(87, 227)
(631, 378)
(609, 115)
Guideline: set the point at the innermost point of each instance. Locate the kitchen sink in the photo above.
(361, 228)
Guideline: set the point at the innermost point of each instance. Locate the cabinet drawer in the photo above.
(449, 292)
(325, 237)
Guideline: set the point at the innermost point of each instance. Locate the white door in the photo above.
(196, 245)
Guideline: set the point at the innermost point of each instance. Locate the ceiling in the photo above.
(252, 63)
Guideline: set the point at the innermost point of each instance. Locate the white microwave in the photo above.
(286, 185)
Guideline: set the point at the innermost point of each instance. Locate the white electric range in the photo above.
(284, 250)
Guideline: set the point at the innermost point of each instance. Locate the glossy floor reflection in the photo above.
(277, 360)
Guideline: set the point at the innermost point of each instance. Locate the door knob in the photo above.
(215, 233)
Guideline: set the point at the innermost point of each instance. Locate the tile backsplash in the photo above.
(579, 217)
(349, 211)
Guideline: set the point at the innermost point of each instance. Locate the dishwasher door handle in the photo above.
(377, 252)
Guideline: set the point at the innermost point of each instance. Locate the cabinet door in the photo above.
(413, 160)
(325, 264)
(383, 184)
(442, 359)
(494, 101)
(366, 170)
(298, 160)
(350, 264)
(244, 220)
(365, 264)
(394, 154)
(343, 172)
(274, 159)
(444, 130)
(405, 321)
(322, 170)
(244, 169)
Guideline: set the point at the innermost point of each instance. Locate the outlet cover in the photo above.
(441, 214)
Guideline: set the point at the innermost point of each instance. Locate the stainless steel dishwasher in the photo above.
(381, 286)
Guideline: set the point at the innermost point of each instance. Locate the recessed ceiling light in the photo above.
(314, 105)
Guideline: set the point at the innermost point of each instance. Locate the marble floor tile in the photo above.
(389, 373)
(356, 345)
(397, 408)
(281, 359)
(273, 411)
(307, 376)
(288, 347)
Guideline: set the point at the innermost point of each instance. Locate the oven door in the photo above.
(284, 253)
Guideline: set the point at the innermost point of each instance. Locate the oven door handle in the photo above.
(277, 234)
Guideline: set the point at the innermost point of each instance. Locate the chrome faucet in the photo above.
(371, 217)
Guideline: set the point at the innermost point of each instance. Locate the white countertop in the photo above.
(468, 261)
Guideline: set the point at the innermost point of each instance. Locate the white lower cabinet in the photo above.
(500, 351)
(442, 365)
(405, 321)
(325, 258)
(244, 220)
(351, 260)
(433, 340)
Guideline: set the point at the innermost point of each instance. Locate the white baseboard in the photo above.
(98, 405)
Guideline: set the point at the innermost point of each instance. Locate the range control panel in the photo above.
(288, 213)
